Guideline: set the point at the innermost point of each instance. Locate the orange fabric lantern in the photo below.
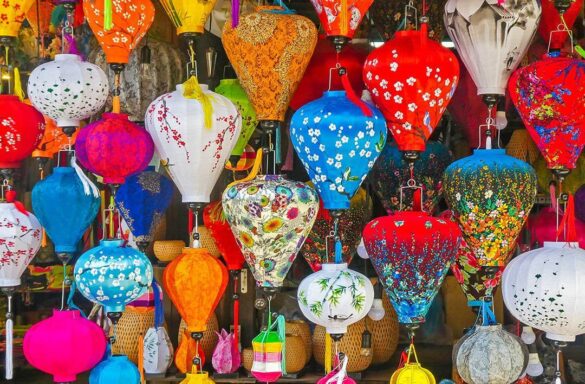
(53, 140)
(270, 50)
(12, 14)
(39, 16)
(131, 19)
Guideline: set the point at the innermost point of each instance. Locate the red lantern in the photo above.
(340, 19)
(214, 220)
(550, 20)
(114, 148)
(411, 79)
(21, 129)
(543, 227)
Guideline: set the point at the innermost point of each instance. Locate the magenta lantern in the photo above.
(114, 148)
(64, 345)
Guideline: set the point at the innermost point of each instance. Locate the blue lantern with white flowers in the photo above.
(338, 139)
(117, 369)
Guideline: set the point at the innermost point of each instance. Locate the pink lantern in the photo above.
(543, 227)
(64, 345)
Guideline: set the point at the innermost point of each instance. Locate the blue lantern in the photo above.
(113, 275)
(116, 369)
(338, 145)
(66, 203)
(142, 201)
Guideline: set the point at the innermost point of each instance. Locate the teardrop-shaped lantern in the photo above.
(117, 369)
(12, 14)
(411, 253)
(411, 89)
(551, 20)
(341, 18)
(187, 16)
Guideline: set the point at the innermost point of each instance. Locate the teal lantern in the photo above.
(115, 370)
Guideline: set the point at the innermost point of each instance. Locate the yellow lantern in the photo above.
(12, 14)
(188, 16)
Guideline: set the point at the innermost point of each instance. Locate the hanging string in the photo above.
(236, 313)
(9, 329)
(116, 99)
(327, 360)
(111, 209)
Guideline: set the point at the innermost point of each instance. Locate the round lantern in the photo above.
(490, 355)
(270, 218)
(552, 275)
(340, 19)
(12, 14)
(21, 130)
(411, 253)
(543, 227)
(551, 19)
(194, 133)
(491, 195)
(411, 90)
(68, 89)
(66, 205)
(335, 297)
(197, 378)
(64, 345)
(116, 369)
(338, 143)
(114, 148)
(113, 275)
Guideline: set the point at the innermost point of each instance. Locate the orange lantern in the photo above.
(12, 14)
(53, 140)
(39, 17)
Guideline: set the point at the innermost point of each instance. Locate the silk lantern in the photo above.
(491, 195)
(491, 38)
(66, 203)
(551, 19)
(391, 172)
(551, 275)
(549, 97)
(39, 17)
(64, 345)
(197, 378)
(117, 369)
(12, 14)
(340, 19)
(194, 131)
(270, 217)
(187, 16)
(214, 219)
(21, 130)
(270, 50)
(114, 148)
(157, 348)
(411, 253)
(411, 90)
(543, 227)
(338, 142)
(335, 297)
(54, 139)
(68, 89)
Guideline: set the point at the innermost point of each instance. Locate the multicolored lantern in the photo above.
(411, 253)
(64, 345)
(549, 96)
(114, 148)
(12, 14)
(340, 19)
(411, 90)
(491, 195)
(187, 16)
(548, 27)
(270, 218)
(117, 369)
(194, 131)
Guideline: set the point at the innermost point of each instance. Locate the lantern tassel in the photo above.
(343, 21)
(18, 84)
(281, 324)
(192, 90)
(235, 13)
(567, 226)
(327, 358)
(43, 237)
(351, 94)
(89, 188)
(9, 342)
(236, 317)
(108, 24)
(253, 172)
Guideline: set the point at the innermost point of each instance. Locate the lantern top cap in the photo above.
(560, 244)
(489, 152)
(332, 267)
(111, 243)
(67, 56)
(63, 170)
(334, 93)
(410, 214)
(66, 314)
(490, 328)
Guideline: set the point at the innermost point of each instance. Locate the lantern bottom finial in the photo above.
(114, 317)
(336, 336)
(339, 42)
(490, 99)
(411, 156)
(561, 173)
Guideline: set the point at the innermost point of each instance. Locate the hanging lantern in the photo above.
(68, 90)
(39, 17)
(21, 130)
(491, 38)
(551, 275)
(548, 28)
(142, 201)
(114, 148)
(117, 369)
(187, 16)
(53, 141)
(351, 224)
(391, 172)
(283, 45)
(549, 96)
(215, 220)
(64, 345)
(411, 253)
(157, 349)
(12, 14)
(66, 204)
(412, 372)
(338, 142)
(491, 195)
(335, 297)
(270, 218)
(194, 131)
(197, 378)
(411, 90)
(543, 227)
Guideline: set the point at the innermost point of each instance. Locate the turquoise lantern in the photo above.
(116, 369)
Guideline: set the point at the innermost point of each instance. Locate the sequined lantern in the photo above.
(338, 142)
(215, 220)
(411, 90)
(270, 218)
(548, 28)
(549, 96)
(117, 369)
(340, 19)
(194, 131)
(491, 195)
(114, 148)
(411, 253)
(552, 275)
(12, 14)
(188, 17)
(335, 297)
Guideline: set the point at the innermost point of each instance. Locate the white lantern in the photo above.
(158, 351)
(492, 36)
(545, 289)
(335, 297)
(68, 89)
(195, 153)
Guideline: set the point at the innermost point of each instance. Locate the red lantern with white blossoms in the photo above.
(340, 19)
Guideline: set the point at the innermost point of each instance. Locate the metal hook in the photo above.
(336, 68)
(561, 28)
(410, 6)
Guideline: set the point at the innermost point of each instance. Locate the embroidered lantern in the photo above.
(64, 345)
(551, 275)
(338, 142)
(340, 19)
(194, 131)
(411, 253)
(12, 14)
(158, 349)
(21, 130)
(117, 369)
(270, 218)
(551, 19)
(491, 195)
(188, 17)
(411, 90)
(114, 148)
